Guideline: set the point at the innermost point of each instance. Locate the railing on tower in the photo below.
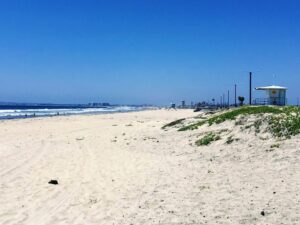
(270, 101)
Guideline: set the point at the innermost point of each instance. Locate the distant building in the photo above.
(183, 104)
(276, 95)
(96, 104)
(173, 105)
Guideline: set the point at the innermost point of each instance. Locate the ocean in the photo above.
(43, 110)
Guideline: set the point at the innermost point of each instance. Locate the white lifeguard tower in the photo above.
(276, 96)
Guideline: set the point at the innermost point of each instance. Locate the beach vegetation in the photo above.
(193, 126)
(248, 126)
(233, 114)
(230, 139)
(210, 113)
(275, 145)
(240, 121)
(248, 110)
(222, 131)
(207, 139)
(281, 122)
(200, 117)
(285, 125)
(173, 123)
(257, 125)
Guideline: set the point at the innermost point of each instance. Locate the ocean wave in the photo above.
(23, 113)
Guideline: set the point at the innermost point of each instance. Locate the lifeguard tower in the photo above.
(276, 96)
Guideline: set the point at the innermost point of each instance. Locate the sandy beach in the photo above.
(123, 168)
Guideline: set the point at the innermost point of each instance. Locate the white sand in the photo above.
(124, 169)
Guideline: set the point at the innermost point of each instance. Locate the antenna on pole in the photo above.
(250, 88)
(274, 79)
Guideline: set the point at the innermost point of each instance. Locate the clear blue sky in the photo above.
(145, 51)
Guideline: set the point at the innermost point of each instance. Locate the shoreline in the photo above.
(123, 168)
(77, 114)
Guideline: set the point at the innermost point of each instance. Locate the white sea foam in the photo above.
(21, 113)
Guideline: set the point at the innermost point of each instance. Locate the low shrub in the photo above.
(233, 114)
(207, 139)
(173, 123)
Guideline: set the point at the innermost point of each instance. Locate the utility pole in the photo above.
(250, 88)
(235, 96)
(220, 101)
(228, 99)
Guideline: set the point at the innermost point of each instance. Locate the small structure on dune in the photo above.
(276, 95)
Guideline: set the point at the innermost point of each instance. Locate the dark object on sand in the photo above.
(80, 139)
(55, 182)
(262, 213)
(197, 109)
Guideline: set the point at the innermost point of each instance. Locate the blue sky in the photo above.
(146, 51)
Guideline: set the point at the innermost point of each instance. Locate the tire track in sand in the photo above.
(60, 198)
(27, 162)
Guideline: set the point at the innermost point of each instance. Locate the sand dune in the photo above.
(124, 169)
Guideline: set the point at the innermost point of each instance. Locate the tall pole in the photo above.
(250, 88)
(235, 96)
(221, 102)
(228, 99)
